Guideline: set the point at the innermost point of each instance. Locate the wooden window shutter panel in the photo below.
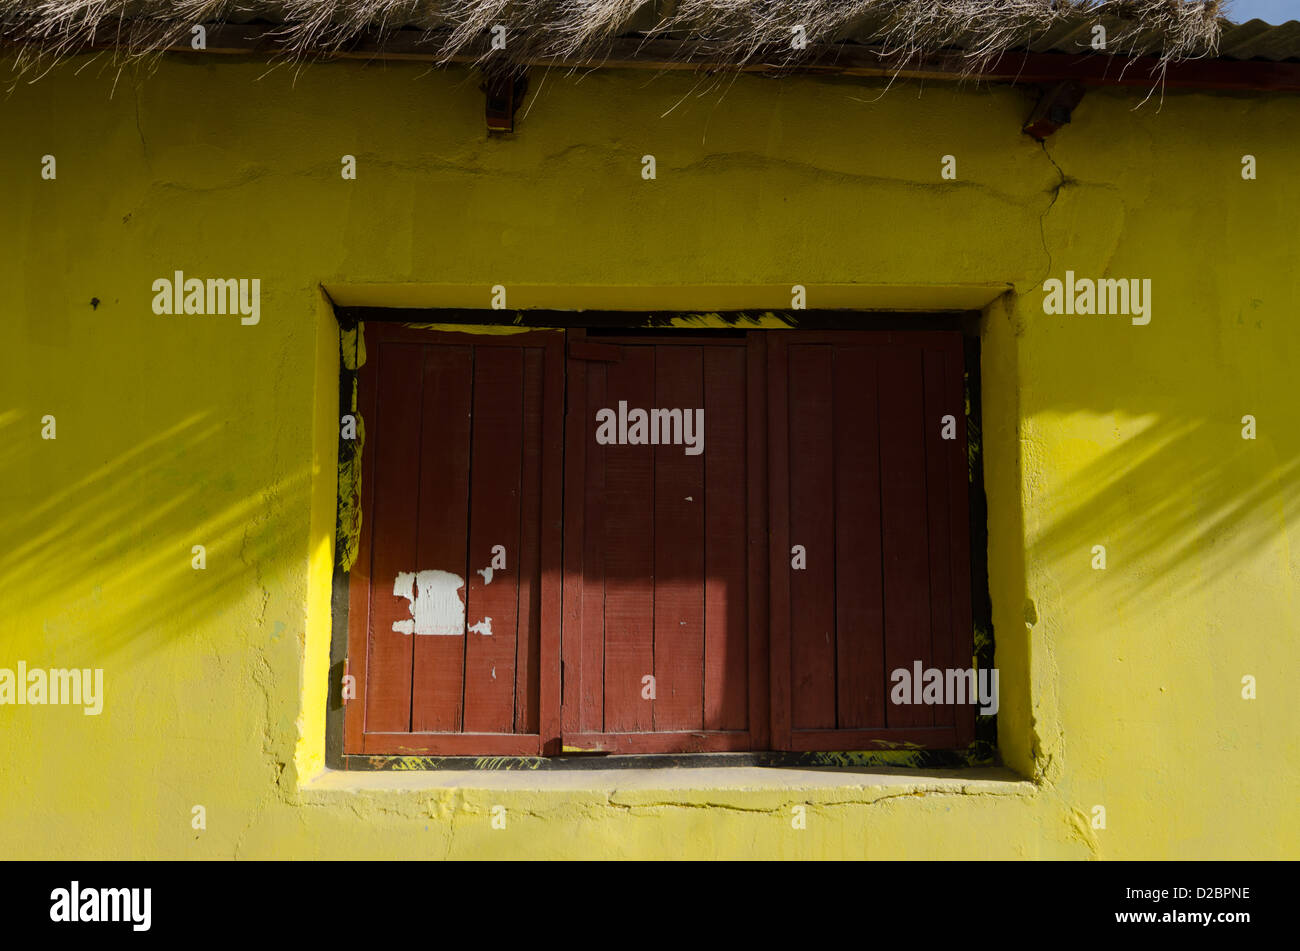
(659, 552)
(460, 475)
(863, 481)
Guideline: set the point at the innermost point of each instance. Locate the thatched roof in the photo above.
(729, 31)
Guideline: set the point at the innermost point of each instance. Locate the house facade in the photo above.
(321, 455)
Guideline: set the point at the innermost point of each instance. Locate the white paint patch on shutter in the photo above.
(436, 608)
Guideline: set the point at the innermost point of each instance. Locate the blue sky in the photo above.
(1271, 11)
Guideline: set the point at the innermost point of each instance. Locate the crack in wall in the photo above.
(1042, 219)
(815, 802)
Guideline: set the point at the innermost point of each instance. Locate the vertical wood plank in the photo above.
(859, 623)
(779, 550)
(494, 520)
(812, 589)
(938, 454)
(591, 663)
(760, 692)
(396, 443)
(577, 565)
(530, 531)
(726, 638)
(550, 610)
(905, 554)
(629, 552)
(444, 440)
(679, 504)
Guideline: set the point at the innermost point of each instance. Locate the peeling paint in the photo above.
(348, 535)
(488, 329)
(436, 608)
(347, 540)
(766, 320)
(354, 349)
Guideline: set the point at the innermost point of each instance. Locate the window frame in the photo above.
(343, 753)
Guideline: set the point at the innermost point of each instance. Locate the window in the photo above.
(649, 542)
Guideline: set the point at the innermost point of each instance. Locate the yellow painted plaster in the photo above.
(1119, 688)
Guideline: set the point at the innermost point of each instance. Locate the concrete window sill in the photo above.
(759, 787)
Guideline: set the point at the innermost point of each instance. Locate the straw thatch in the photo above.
(728, 31)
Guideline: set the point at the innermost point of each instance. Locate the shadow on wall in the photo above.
(1180, 506)
(108, 557)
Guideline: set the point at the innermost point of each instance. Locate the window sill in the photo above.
(688, 786)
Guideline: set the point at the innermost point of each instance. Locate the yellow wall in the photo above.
(1120, 687)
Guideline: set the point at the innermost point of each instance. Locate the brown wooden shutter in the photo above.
(661, 551)
(461, 455)
(830, 441)
(863, 480)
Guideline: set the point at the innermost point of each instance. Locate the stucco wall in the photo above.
(1120, 688)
